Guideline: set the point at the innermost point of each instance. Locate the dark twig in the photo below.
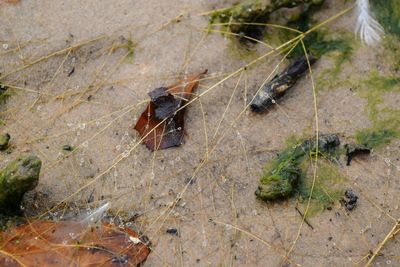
(305, 220)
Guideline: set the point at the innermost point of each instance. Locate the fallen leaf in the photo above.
(162, 122)
(11, 1)
(70, 243)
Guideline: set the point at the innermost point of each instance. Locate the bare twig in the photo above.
(305, 220)
(390, 235)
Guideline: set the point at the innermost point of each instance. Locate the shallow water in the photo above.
(220, 222)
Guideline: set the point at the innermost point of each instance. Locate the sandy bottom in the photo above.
(75, 83)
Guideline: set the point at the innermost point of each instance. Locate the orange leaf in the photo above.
(11, 1)
(70, 243)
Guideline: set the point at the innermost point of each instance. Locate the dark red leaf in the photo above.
(161, 124)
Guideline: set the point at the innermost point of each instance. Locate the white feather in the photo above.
(96, 215)
(367, 28)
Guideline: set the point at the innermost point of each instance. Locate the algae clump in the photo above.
(282, 177)
(247, 19)
(4, 93)
(18, 177)
(4, 139)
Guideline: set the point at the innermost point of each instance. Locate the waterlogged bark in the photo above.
(280, 84)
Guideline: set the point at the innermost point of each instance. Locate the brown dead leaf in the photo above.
(14, 2)
(70, 243)
(161, 125)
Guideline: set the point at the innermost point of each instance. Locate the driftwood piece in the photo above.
(280, 84)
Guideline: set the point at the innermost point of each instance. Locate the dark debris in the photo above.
(67, 148)
(350, 200)
(165, 103)
(173, 231)
(354, 150)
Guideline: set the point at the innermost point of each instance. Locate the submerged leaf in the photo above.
(11, 1)
(70, 243)
(161, 123)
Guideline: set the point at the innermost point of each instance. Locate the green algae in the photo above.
(235, 19)
(4, 140)
(391, 53)
(373, 88)
(338, 46)
(289, 174)
(248, 19)
(328, 188)
(386, 121)
(388, 14)
(339, 51)
(319, 42)
(283, 174)
(4, 93)
(244, 12)
(18, 177)
(130, 46)
(374, 137)
(382, 83)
